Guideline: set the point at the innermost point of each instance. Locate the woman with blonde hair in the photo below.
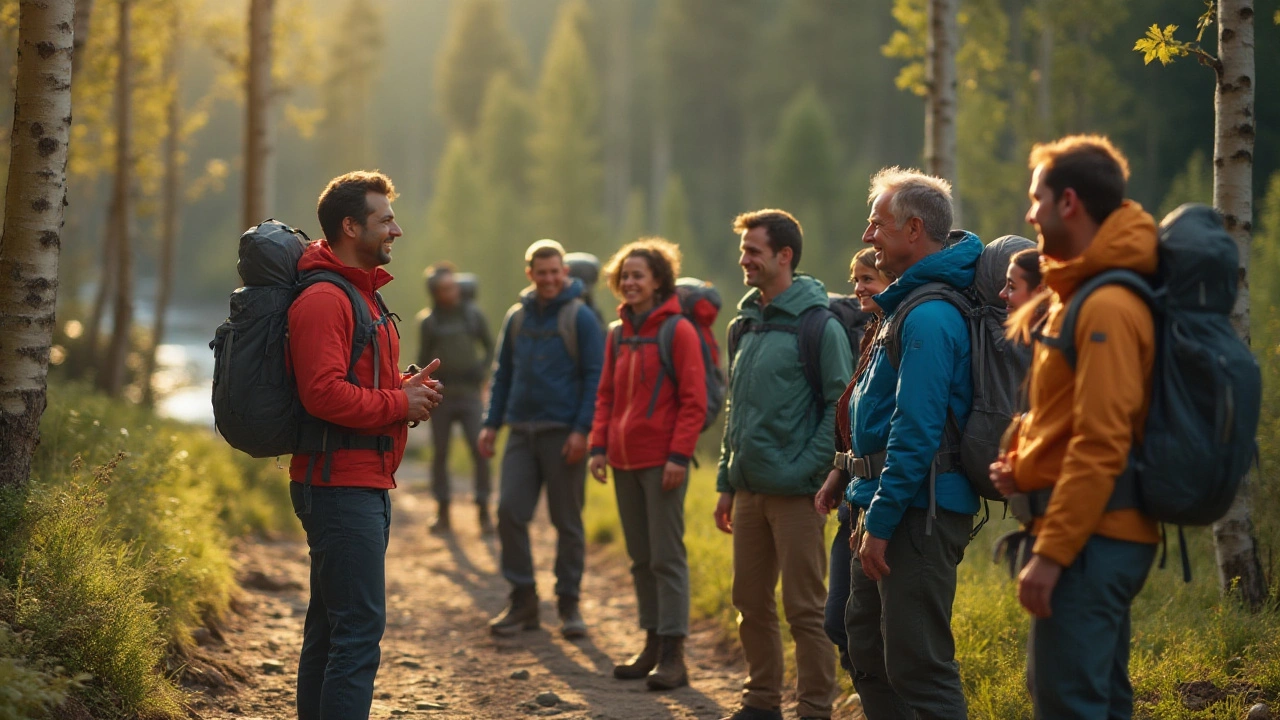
(646, 427)
(868, 281)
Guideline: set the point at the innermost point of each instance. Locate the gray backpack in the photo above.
(566, 325)
(255, 399)
(998, 364)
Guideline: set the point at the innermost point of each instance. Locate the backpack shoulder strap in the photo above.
(891, 332)
(514, 321)
(1065, 342)
(362, 330)
(667, 342)
(615, 337)
(813, 325)
(567, 326)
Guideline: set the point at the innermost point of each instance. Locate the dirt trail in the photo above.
(438, 658)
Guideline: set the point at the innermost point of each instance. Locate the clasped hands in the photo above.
(423, 393)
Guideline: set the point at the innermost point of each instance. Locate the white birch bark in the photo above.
(943, 40)
(259, 145)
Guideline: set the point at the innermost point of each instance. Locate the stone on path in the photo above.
(520, 675)
(1259, 712)
(547, 699)
(273, 667)
(424, 705)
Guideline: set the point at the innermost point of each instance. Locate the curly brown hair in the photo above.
(663, 257)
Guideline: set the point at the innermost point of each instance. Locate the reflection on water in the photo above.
(184, 373)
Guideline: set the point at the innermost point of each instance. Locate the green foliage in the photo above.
(479, 46)
(348, 87)
(502, 140)
(566, 197)
(28, 691)
(108, 574)
(1194, 184)
(1159, 43)
(635, 220)
(675, 225)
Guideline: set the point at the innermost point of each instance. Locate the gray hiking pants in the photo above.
(532, 460)
(900, 643)
(653, 525)
(465, 410)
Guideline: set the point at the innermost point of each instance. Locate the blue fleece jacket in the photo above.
(904, 412)
(536, 379)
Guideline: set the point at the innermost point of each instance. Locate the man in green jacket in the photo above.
(777, 448)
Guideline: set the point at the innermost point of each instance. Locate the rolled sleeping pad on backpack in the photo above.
(584, 266)
(468, 285)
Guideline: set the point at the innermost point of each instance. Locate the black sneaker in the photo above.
(746, 712)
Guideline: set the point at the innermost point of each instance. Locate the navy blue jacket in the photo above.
(535, 378)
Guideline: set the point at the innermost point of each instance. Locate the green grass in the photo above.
(1181, 633)
(119, 547)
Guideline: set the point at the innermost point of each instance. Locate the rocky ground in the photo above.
(439, 659)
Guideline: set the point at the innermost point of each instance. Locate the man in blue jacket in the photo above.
(916, 505)
(550, 352)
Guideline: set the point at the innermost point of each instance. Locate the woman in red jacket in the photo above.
(646, 427)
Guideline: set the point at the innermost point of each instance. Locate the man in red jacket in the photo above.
(361, 406)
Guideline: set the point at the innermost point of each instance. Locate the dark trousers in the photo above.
(347, 532)
(838, 587)
(653, 527)
(531, 461)
(464, 410)
(899, 629)
(1078, 658)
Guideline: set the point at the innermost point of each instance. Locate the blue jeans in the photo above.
(1078, 658)
(838, 587)
(347, 532)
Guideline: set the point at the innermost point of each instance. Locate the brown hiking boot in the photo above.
(641, 663)
(486, 522)
(441, 526)
(571, 623)
(520, 614)
(670, 672)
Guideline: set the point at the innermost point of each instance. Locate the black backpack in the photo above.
(1199, 438)
(255, 399)
(699, 304)
(808, 332)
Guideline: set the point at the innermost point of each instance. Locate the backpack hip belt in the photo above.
(868, 467)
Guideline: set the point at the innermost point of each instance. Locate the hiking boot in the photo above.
(486, 522)
(670, 672)
(520, 614)
(441, 526)
(571, 623)
(746, 712)
(641, 663)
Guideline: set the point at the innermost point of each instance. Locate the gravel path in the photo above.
(438, 658)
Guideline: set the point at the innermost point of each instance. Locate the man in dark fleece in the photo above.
(455, 332)
(550, 352)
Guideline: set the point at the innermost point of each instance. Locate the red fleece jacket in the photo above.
(321, 322)
(624, 428)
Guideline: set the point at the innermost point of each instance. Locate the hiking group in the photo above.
(956, 374)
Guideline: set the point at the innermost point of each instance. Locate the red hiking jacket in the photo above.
(321, 323)
(624, 429)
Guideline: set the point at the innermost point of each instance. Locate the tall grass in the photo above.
(120, 546)
(1182, 633)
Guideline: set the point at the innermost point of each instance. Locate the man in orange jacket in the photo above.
(1089, 561)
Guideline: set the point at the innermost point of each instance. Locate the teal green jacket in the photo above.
(775, 442)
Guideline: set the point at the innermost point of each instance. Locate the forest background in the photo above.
(592, 122)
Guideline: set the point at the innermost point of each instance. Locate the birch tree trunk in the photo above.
(171, 201)
(105, 291)
(942, 41)
(259, 148)
(1238, 565)
(32, 234)
(111, 378)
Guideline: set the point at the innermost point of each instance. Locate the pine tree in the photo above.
(565, 178)
(635, 221)
(502, 138)
(676, 226)
(805, 177)
(349, 85)
(479, 46)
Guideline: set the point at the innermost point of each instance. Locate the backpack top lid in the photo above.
(468, 285)
(993, 264)
(699, 299)
(269, 254)
(1199, 262)
(584, 266)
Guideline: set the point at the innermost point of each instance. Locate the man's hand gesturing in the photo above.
(423, 393)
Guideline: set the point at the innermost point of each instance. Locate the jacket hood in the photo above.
(805, 292)
(993, 267)
(1125, 240)
(573, 288)
(669, 307)
(319, 256)
(954, 265)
